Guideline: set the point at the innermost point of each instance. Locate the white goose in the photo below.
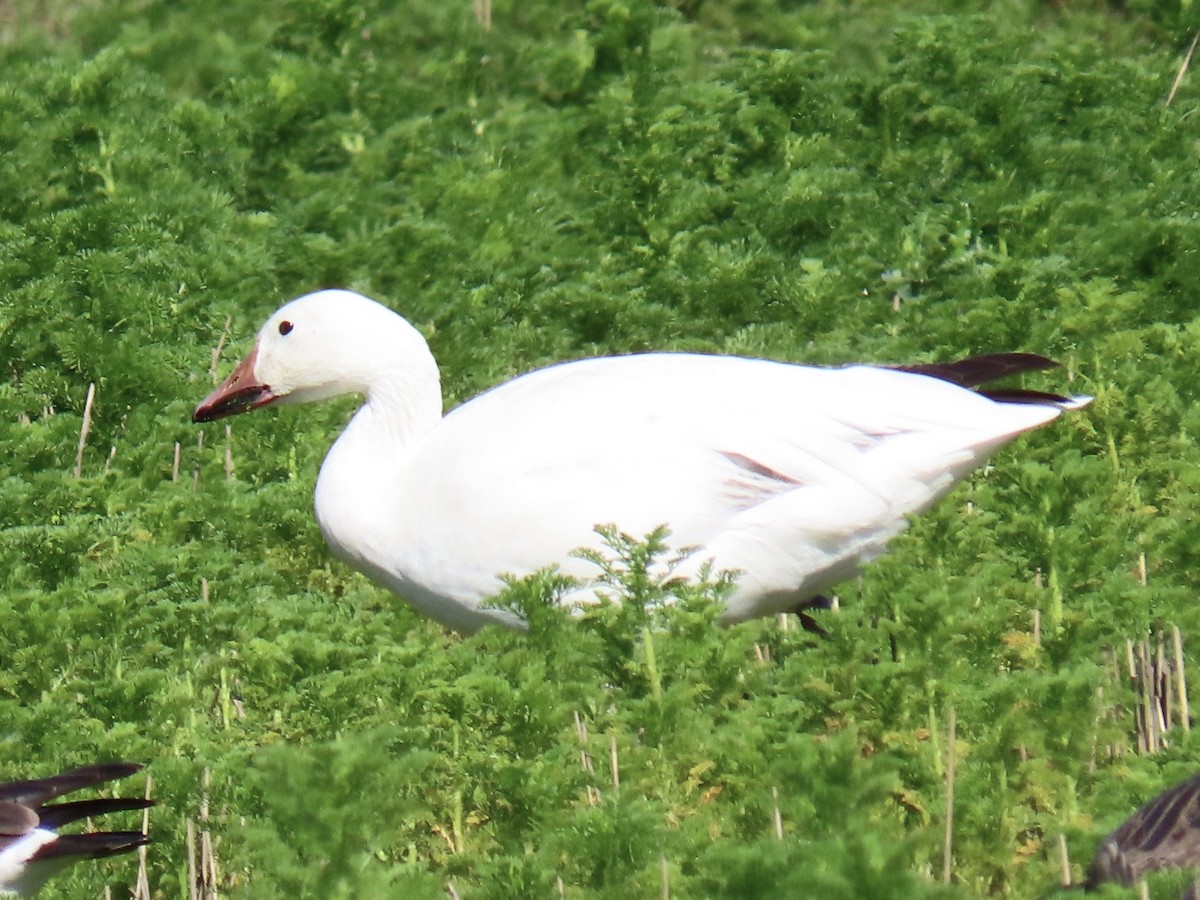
(791, 475)
(32, 849)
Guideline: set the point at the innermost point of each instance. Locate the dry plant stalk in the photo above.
(1181, 679)
(85, 428)
(483, 13)
(1166, 687)
(616, 768)
(216, 354)
(203, 876)
(585, 759)
(193, 881)
(175, 465)
(1064, 860)
(951, 759)
(777, 816)
(142, 889)
(1150, 732)
(1159, 681)
(1187, 61)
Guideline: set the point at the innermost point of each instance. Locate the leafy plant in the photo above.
(825, 182)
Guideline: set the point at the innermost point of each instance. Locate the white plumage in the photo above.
(792, 475)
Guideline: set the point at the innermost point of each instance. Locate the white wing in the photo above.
(792, 474)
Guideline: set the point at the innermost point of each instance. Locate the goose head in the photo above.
(319, 346)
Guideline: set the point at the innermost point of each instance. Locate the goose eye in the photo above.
(285, 327)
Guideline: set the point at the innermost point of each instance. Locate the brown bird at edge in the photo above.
(1162, 834)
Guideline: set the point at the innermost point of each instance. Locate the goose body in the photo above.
(32, 849)
(791, 475)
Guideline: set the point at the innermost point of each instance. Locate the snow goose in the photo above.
(791, 475)
(31, 849)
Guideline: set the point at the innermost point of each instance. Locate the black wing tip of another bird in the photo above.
(93, 845)
(39, 790)
(59, 814)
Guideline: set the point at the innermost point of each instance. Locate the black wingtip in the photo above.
(91, 846)
(976, 370)
(39, 790)
(59, 814)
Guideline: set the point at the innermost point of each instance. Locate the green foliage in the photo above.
(825, 182)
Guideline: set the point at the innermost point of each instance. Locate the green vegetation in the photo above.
(826, 182)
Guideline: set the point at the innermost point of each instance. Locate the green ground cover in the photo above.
(824, 182)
